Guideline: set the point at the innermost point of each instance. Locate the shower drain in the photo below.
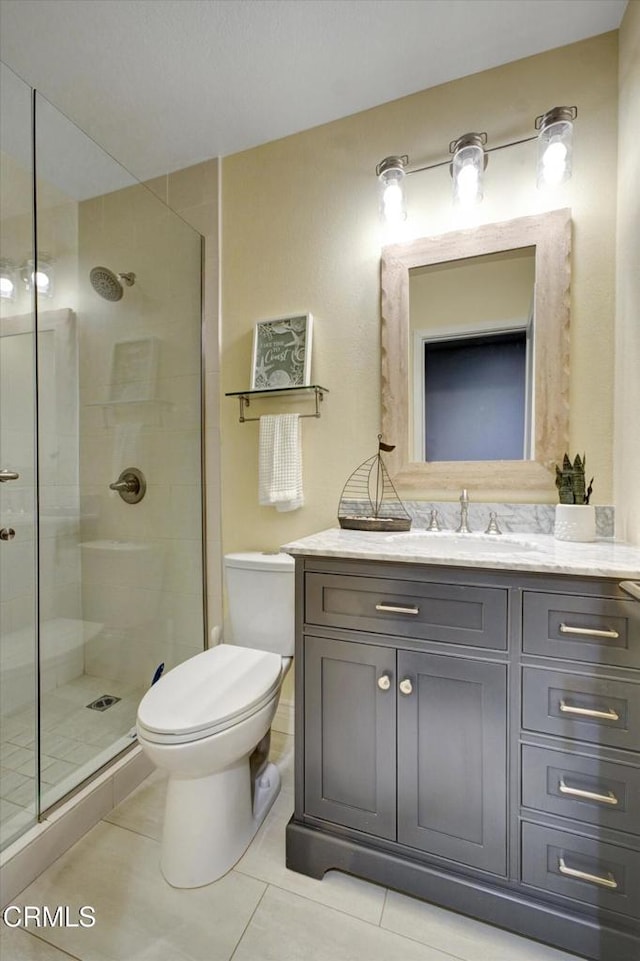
(103, 702)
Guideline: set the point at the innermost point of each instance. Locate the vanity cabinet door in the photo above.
(350, 734)
(452, 758)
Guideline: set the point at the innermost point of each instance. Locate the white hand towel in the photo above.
(280, 462)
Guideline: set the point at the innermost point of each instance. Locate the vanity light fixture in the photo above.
(39, 274)
(467, 168)
(8, 280)
(391, 174)
(555, 145)
(555, 134)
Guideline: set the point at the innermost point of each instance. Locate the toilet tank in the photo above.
(260, 590)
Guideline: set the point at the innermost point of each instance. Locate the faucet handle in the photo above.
(434, 523)
(492, 527)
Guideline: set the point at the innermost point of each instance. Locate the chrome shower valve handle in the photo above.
(131, 485)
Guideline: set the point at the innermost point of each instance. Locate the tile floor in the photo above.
(259, 911)
(75, 741)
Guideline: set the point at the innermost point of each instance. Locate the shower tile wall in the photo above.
(140, 407)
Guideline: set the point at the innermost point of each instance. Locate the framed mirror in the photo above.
(475, 355)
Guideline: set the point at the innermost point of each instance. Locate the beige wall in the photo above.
(300, 232)
(627, 369)
(473, 294)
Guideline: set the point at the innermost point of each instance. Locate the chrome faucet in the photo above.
(463, 526)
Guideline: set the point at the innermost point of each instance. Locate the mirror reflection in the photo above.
(472, 353)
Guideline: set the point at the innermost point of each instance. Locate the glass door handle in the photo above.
(8, 475)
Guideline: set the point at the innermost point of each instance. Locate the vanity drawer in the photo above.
(602, 875)
(474, 616)
(595, 709)
(583, 788)
(602, 630)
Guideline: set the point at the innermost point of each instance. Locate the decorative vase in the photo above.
(575, 522)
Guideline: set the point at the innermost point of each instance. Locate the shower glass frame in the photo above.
(118, 588)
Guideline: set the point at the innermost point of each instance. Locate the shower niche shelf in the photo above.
(313, 391)
(131, 401)
(149, 410)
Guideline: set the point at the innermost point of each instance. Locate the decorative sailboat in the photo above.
(369, 501)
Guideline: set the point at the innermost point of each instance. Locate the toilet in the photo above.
(207, 723)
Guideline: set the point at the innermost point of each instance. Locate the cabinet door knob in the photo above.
(406, 687)
(384, 682)
(7, 534)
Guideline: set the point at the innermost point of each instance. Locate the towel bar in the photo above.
(245, 395)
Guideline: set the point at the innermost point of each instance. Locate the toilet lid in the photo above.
(209, 690)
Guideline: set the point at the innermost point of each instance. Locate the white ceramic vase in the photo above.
(575, 522)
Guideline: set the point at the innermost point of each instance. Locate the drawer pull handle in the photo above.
(631, 587)
(608, 882)
(609, 715)
(608, 798)
(587, 631)
(384, 682)
(394, 609)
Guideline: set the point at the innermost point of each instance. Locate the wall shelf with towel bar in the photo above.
(244, 397)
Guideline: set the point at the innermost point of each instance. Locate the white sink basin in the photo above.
(446, 542)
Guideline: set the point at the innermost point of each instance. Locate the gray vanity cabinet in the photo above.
(385, 726)
(472, 737)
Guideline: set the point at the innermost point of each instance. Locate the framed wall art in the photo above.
(282, 353)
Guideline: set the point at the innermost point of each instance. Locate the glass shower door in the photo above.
(101, 517)
(120, 479)
(18, 518)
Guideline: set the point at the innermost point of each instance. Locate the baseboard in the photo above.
(24, 860)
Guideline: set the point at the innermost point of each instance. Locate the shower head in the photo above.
(107, 284)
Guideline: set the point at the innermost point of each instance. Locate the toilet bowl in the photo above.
(203, 721)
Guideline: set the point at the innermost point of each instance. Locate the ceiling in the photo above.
(163, 84)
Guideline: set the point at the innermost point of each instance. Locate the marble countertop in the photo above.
(540, 553)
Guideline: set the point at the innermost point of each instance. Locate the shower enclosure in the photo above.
(101, 518)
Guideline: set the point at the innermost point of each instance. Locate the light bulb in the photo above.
(41, 281)
(39, 278)
(7, 288)
(8, 277)
(467, 168)
(393, 203)
(393, 209)
(468, 185)
(554, 162)
(555, 145)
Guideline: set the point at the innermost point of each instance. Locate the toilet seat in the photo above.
(208, 693)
